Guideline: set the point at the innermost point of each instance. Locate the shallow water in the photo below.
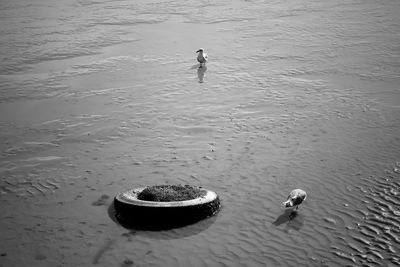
(100, 96)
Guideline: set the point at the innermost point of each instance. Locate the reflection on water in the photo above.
(296, 222)
(161, 232)
(200, 73)
(293, 220)
(182, 232)
(284, 217)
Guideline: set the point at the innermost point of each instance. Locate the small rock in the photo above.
(127, 263)
(207, 158)
(330, 220)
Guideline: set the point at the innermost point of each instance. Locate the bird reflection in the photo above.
(200, 73)
(293, 220)
(296, 222)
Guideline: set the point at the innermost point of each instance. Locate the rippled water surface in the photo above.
(97, 97)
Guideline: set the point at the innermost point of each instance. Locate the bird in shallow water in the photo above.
(295, 198)
(201, 57)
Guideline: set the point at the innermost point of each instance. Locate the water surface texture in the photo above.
(97, 97)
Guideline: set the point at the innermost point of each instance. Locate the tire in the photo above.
(139, 214)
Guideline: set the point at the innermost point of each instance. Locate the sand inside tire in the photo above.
(169, 193)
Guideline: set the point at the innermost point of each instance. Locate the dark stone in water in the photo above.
(127, 263)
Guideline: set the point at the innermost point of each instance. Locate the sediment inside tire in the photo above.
(168, 193)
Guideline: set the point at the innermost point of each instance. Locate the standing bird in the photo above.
(295, 198)
(201, 57)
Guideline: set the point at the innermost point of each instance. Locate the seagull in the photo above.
(201, 57)
(295, 198)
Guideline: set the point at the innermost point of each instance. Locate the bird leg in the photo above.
(292, 215)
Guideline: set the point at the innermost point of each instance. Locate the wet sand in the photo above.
(98, 97)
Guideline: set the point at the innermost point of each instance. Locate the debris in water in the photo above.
(127, 263)
(102, 250)
(102, 201)
(330, 220)
(345, 256)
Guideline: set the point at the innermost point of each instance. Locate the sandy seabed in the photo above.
(100, 96)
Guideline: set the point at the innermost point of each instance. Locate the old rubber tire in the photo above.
(135, 213)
